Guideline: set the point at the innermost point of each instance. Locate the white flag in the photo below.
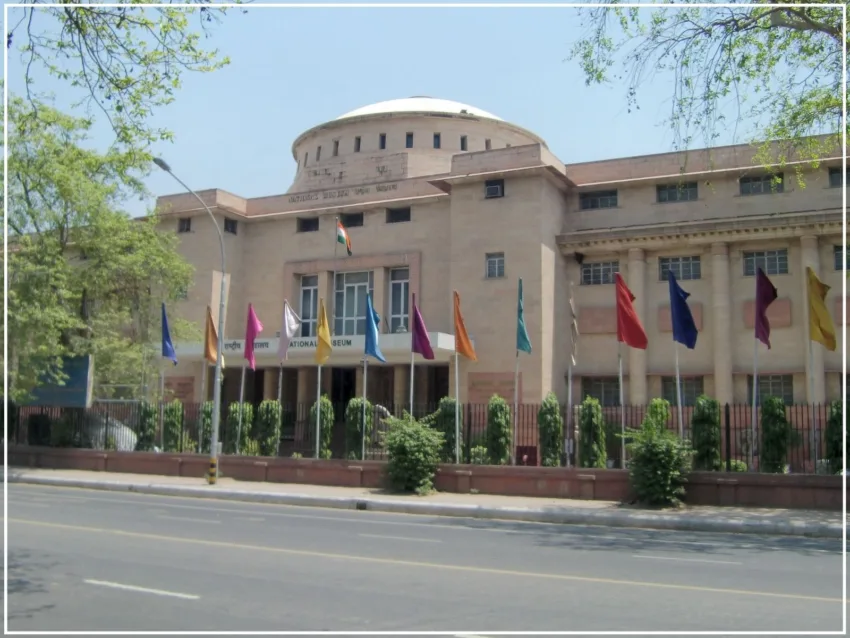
(290, 328)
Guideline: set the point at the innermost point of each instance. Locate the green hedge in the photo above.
(146, 434)
(327, 414)
(550, 425)
(705, 431)
(266, 430)
(834, 435)
(592, 441)
(777, 435)
(232, 432)
(353, 430)
(413, 451)
(499, 431)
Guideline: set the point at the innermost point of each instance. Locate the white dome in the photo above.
(418, 104)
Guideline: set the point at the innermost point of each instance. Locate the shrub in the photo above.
(413, 451)
(231, 429)
(478, 455)
(64, 432)
(297, 455)
(834, 437)
(593, 435)
(146, 434)
(249, 447)
(266, 428)
(353, 422)
(38, 429)
(659, 460)
(205, 426)
(327, 414)
(173, 425)
(777, 435)
(443, 420)
(499, 431)
(550, 425)
(737, 466)
(705, 431)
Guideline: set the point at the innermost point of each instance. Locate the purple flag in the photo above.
(420, 341)
(254, 328)
(765, 295)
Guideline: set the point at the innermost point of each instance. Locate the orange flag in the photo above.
(211, 341)
(463, 345)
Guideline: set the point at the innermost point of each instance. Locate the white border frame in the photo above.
(413, 5)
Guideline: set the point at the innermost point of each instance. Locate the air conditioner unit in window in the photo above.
(401, 329)
(493, 191)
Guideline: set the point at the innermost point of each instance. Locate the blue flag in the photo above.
(684, 328)
(523, 343)
(373, 320)
(167, 346)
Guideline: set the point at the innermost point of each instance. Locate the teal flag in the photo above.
(523, 343)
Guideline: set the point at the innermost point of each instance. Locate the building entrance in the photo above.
(343, 389)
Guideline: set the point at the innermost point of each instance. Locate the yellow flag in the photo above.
(821, 327)
(323, 336)
(211, 341)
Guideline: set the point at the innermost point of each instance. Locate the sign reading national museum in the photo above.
(342, 193)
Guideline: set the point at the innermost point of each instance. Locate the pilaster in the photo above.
(637, 358)
(815, 374)
(722, 322)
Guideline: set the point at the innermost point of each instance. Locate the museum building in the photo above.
(439, 196)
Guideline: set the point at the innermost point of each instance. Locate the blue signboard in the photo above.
(74, 392)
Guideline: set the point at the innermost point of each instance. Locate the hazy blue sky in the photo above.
(295, 68)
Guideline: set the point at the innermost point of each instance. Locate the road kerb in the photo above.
(619, 518)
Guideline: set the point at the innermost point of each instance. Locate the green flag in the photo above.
(523, 343)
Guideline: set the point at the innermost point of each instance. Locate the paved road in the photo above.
(92, 561)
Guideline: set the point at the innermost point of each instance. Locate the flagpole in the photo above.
(815, 440)
(318, 407)
(241, 399)
(363, 421)
(569, 411)
(411, 374)
(622, 410)
(679, 392)
(203, 403)
(516, 407)
(161, 407)
(457, 407)
(280, 384)
(333, 279)
(755, 402)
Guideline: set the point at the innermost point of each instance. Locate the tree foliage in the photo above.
(85, 278)
(780, 69)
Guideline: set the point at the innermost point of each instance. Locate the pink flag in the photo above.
(254, 328)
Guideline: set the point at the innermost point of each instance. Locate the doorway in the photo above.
(343, 389)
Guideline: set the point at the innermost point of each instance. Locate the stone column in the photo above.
(721, 302)
(401, 379)
(379, 292)
(358, 381)
(815, 374)
(637, 358)
(270, 377)
(326, 293)
(306, 393)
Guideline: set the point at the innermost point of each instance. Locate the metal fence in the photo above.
(115, 426)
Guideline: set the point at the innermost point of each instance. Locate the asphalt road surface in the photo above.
(97, 561)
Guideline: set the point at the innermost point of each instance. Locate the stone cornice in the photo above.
(659, 236)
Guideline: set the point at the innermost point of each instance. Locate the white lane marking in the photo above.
(143, 590)
(562, 529)
(189, 520)
(28, 504)
(469, 636)
(402, 538)
(687, 560)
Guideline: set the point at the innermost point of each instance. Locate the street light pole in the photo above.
(216, 412)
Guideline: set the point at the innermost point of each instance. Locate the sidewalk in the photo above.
(813, 523)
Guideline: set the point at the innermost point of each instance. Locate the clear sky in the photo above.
(294, 68)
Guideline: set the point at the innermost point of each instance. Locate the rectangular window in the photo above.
(686, 192)
(398, 215)
(357, 144)
(835, 177)
(494, 188)
(606, 390)
(838, 258)
(772, 385)
(318, 153)
(399, 302)
(436, 140)
(772, 262)
(408, 140)
(683, 267)
(350, 302)
(487, 145)
(382, 141)
(309, 304)
(184, 225)
(599, 273)
(763, 184)
(463, 142)
(597, 199)
(308, 224)
(692, 387)
(230, 226)
(495, 265)
(336, 148)
(351, 220)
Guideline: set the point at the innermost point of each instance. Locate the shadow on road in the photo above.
(28, 575)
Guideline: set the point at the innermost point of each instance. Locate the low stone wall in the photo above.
(704, 488)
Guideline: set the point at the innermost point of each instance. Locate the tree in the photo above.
(779, 68)
(122, 61)
(85, 278)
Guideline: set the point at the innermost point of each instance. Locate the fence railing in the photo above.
(116, 426)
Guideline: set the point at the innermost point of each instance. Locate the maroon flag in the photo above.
(629, 329)
(421, 343)
(765, 295)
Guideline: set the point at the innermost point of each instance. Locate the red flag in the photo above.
(629, 330)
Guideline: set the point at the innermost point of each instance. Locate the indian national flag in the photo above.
(342, 237)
